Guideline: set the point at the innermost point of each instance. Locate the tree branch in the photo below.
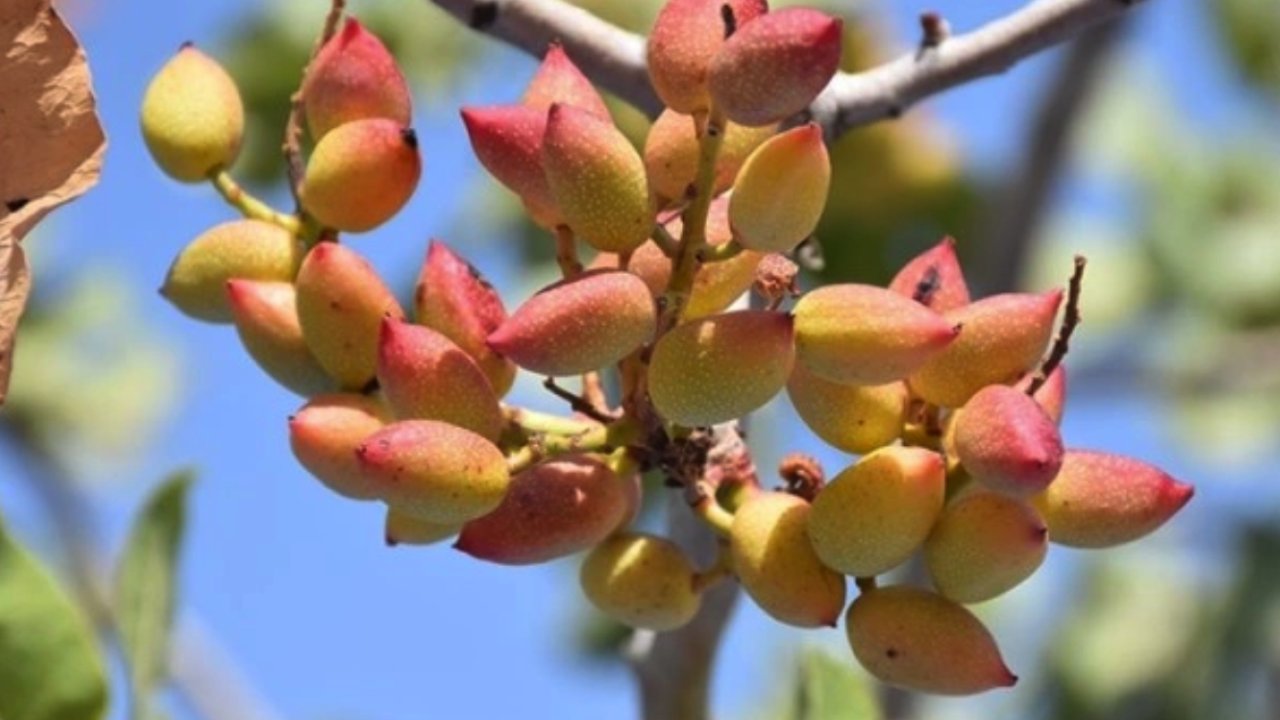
(674, 669)
(614, 58)
(889, 90)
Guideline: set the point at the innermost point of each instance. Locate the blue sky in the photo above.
(296, 582)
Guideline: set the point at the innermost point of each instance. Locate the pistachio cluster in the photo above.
(951, 402)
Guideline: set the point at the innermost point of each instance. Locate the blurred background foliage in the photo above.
(1182, 297)
(82, 332)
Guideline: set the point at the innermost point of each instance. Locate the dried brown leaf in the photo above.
(51, 142)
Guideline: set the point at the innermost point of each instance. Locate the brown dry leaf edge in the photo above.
(51, 142)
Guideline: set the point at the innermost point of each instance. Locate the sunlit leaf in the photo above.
(51, 667)
(828, 687)
(145, 587)
(1250, 32)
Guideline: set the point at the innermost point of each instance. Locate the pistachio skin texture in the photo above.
(354, 77)
(1007, 441)
(341, 305)
(361, 174)
(866, 335)
(918, 640)
(236, 250)
(579, 324)
(507, 140)
(434, 471)
(1101, 500)
(558, 80)
(454, 299)
(597, 179)
(1001, 338)
(853, 418)
(771, 555)
(984, 545)
(1052, 394)
(684, 41)
(773, 67)
(553, 509)
(424, 375)
(721, 367)
(324, 436)
(671, 154)
(642, 581)
(781, 191)
(266, 319)
(402, 529)
(872, 516)
(192, 117)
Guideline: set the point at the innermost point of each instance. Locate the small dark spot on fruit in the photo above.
(729, 19)
(483, 15)
(16, 204)
(891, 653)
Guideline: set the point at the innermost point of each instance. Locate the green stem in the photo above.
(532, 421)
(708, 510)
(522, 459)
(250, 206)
(622, 463)
(665, 241)
(595, 438)
(720, 253)
(693, 235)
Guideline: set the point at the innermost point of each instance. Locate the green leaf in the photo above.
(144, 599)
(51, 667)
(828, 687)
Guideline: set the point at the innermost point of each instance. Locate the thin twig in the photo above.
(292, 146)
(576, 402)
(593, 395)
(597, 403)
(665, 241)
(567, 252)
(1070, 319)
(614, 58)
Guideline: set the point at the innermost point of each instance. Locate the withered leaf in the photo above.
(51, 142)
